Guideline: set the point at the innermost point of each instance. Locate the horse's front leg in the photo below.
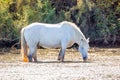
(62, 50)
(61, 55)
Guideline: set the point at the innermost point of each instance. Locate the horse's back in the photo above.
(65, 25)
(46, 35)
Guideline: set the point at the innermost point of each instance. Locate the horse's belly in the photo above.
(50, 43)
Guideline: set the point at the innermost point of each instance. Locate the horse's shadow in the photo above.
(63, 62)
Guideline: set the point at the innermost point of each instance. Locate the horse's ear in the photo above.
(88, 40)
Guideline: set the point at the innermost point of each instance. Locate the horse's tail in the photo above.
(23, 46)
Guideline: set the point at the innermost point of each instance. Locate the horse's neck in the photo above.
(79, 36)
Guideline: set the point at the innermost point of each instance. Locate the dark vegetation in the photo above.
(98, 19)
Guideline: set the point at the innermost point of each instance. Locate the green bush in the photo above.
(99, 20)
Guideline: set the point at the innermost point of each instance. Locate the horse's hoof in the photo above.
(35, 60)
(25, 60)
(58, 59)
(30, 58)
(62, 61)
(85, 60)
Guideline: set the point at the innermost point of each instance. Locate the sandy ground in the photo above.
(103, 64)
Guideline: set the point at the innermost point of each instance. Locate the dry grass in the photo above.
(103, 64)
(52, 54)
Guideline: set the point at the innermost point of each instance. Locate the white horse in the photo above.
(61, 35)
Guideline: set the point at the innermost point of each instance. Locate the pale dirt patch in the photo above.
(103, 64)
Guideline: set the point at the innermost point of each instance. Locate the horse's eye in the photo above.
(81, 39)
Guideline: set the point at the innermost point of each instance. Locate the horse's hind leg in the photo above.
(35, 56)
(31, 53)
(59, 55)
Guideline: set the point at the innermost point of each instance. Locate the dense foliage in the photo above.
(98, 19)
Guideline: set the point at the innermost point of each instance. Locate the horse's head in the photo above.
(83, 48)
